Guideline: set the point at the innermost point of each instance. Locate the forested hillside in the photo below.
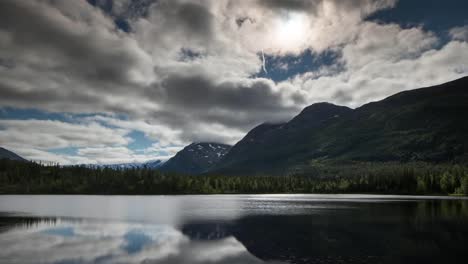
(428, 125)
(385, 178)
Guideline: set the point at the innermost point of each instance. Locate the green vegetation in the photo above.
(321, 177)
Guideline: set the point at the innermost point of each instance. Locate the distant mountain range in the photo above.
(155, 164)
(196, 158)
(6, 154)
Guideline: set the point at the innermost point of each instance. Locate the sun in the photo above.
(290, 31)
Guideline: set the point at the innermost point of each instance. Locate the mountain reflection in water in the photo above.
(237, 229)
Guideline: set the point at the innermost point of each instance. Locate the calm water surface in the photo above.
(233, 229)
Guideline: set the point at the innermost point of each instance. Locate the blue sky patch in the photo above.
(433, 15)
(280, 68)
(140, 140)
(10, 113)
(70, 151)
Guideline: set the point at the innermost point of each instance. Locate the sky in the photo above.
(116, 81)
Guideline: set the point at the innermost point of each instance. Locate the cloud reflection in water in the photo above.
(65, 241)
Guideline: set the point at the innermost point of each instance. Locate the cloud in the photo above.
(115, 155)
(383, 60)
(246, 95)
(97, 139)
(71, 49)
(386, 44)
(43, 134)
(186, 70)
(78, 58)
(290, 27)
(164, 135)
(459, 33)
(59, 32)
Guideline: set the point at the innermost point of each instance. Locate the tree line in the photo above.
(320, 177)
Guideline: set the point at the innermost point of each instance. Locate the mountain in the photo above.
(427, 124)
(267, 146)
(6, 154)
(196, 158)
(155, 164)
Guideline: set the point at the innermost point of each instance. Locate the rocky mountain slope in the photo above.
(196, 158)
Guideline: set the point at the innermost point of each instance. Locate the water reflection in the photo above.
(64, 241)
(234, 229)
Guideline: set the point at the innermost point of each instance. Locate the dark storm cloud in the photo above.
(197, 99)
(196, 18)
(179, 22)
(86, 55)
(18, 96)
(201, 92)
(62, 60)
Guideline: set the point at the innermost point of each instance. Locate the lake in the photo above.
(231, 229)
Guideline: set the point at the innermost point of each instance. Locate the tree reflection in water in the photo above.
(358, 231)
(433, 231)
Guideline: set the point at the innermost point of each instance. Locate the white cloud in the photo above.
(460, 33)
(163, 134)
(46, 134)
(114, 155)
(383, 60)
(105, 143)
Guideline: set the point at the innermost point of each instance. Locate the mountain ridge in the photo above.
(424, 124)
(8, 154)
